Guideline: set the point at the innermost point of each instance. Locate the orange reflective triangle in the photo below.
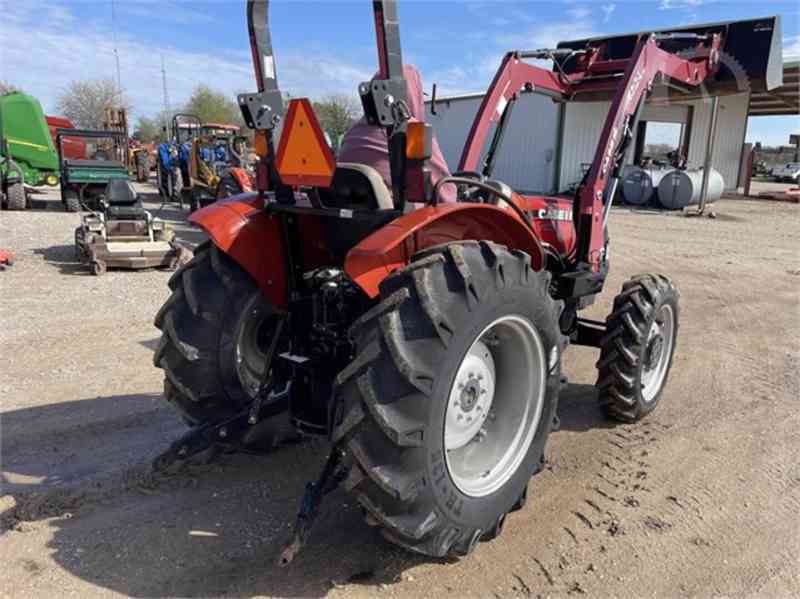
(304, 157)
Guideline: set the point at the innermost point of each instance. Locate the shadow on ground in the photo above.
(63, 257)
(203, 531)
(578, 409)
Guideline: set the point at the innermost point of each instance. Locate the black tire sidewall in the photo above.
(483, 511)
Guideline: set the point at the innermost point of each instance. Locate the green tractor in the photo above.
(27, 154)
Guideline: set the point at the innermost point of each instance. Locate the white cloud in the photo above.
(579, 12)
(671, 4)
(791, 47)
(44, 50)
(608, 10)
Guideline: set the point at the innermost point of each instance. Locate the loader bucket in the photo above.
(751, 49)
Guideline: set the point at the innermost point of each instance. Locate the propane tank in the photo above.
(639, 183)
(637, 186)
(679, 189)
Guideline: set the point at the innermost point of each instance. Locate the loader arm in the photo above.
(513, 76)
(595, 194)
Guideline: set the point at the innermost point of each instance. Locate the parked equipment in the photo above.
(84, 181)
(73, 148)
(27, 156)
(217, 165)
(679, 189)
(174, 156)
(423, 338)
(124, 234)
(12, 177)
(6, 258)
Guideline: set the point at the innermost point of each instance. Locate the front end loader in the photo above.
(422, 338)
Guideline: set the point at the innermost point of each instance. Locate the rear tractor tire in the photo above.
(636, 352)
(449, 401)
(216, 327)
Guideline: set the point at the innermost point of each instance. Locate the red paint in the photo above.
(245, 232)
(392, 246)
(243, 178)
(241, 228)
(74, 148)
(559, 234)
(6, 258)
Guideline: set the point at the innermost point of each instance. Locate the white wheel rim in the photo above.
(494, 405)
(658, 350)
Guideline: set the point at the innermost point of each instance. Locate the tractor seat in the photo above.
(357, 187)
(122, 201)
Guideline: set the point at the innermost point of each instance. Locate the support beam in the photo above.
(712, 130)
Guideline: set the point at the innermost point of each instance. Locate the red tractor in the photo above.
(423, 338)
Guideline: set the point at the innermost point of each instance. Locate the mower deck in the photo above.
(134, 254)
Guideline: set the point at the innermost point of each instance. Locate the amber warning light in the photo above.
(303, 156)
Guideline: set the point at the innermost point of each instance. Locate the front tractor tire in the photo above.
(215, 329)
(636, 352)
(449, 401)
(16, 198)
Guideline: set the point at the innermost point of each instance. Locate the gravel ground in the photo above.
(700, 499)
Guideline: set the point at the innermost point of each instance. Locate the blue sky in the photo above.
(323, 47)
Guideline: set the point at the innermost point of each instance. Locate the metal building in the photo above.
(549, 143)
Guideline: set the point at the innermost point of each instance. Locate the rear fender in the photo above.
(251, 237)
(391, 247)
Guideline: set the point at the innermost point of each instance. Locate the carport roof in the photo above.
(783, 100)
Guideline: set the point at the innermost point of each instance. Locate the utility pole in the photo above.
(116, 51)
(166, 97)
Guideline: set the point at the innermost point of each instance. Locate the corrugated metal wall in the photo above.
(731, 124)
(529, 152)
(527, 157)
(584, 122)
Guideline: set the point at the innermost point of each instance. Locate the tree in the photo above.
(7, 88)
(213, 107)
(85, 102)
(147, 129)
(336, 114)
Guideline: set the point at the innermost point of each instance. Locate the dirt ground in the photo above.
(700, 499)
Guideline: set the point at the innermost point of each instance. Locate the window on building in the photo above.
(660, 143)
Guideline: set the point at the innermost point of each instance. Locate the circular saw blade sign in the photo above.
(304, 157)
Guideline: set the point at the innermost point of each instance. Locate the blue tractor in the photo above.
(173, 158)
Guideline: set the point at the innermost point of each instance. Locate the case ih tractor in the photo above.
(424, 339)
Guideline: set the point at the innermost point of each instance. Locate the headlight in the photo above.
(51, 180)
